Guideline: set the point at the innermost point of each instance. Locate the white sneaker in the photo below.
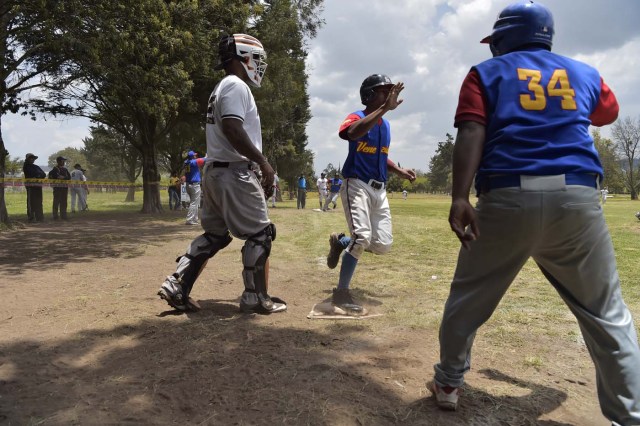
(446, 397)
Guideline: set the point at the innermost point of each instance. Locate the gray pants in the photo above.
(80, 193)
(564, 231)
(302, 198)
(193, 189)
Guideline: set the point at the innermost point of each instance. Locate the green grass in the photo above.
(413, 280)
(16, 202)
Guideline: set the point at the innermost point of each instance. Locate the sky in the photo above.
(430, 46)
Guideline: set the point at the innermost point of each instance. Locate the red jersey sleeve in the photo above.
(351, 118)
(607, 109)
(471, 103)
(200, 162)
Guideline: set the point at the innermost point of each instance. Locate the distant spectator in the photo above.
(302, 192)
(276, 182)
(323, 190)
(78, 190)
(174, 192)
(34, 190)
(60, 189)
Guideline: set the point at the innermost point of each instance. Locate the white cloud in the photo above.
(430, 46)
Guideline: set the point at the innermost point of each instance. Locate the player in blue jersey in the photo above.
(523, 131)
(363, 193)
(193, 177)
(334, 191)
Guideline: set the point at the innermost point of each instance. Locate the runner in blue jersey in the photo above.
(334, 191)
(363, 193)
(523, 130)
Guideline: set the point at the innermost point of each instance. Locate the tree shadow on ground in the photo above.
(84, 238)
(220, 367)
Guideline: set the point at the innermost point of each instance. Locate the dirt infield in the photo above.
(85, 340)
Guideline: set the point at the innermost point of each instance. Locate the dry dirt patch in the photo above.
(84, 340)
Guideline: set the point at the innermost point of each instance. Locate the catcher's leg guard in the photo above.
(177, 287)
(255, 253)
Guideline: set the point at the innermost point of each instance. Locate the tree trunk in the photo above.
(150, 179)
(4, 216)
(131, 194)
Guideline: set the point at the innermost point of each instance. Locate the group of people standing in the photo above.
(328, 191)
(523, 142)
(59, 175)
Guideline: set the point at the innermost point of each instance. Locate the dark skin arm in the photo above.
(467, 153)
(236, 134)
(408, 174)
(391, 102)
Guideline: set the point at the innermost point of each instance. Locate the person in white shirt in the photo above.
(235, 199)
(605, 192)
(78, 190)
(276, 182)
(322, 189)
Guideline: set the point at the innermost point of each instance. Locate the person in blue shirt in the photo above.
(523, 122)
(334, 191)
(192, 166)
(363, 193)
(302, 192)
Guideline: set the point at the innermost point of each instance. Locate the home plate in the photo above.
(317, 210)
(326, 310)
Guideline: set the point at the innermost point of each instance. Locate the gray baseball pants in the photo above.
(564, 231)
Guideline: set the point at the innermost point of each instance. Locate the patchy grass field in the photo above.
(85, 340)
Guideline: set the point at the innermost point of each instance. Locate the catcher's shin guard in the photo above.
(255, 253)
(191, 264)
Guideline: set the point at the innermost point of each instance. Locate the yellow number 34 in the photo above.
(558, 86)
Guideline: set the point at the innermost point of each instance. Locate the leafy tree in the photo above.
(73, 156)
(113, 158)
(283, 100)
(440, 166)
(14, 165)
(610, 162)
(134, 61)
(394, 182)
(31, 62)
(180, 140)
(331, 170)
(626, 133)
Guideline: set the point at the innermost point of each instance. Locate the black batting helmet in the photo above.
(371, 82)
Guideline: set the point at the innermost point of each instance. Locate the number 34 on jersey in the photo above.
(558, 86)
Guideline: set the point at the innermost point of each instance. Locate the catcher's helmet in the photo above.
(248, 50)
(520, 24)
(371, 82)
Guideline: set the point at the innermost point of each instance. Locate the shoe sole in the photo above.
(167, 298)
(331, 264)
